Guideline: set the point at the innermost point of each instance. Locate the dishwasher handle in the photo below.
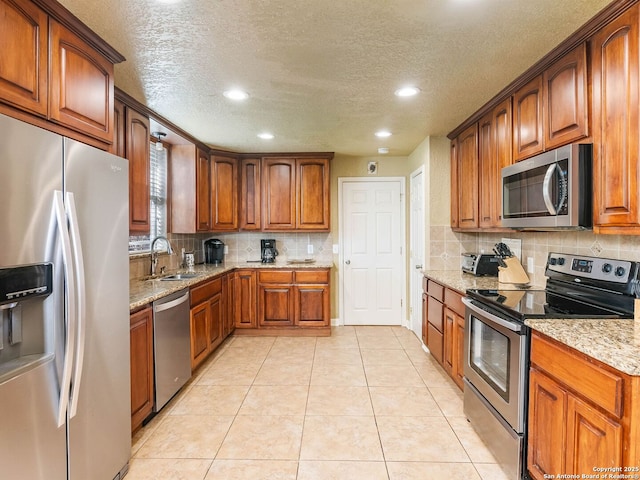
(173, 303)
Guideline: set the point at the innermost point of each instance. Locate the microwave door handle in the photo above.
(546, 189)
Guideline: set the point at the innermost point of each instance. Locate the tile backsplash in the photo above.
(446, 246)
(242, 246)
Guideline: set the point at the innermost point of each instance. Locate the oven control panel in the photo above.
(595, 268)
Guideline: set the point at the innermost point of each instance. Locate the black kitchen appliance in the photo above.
(497, 341)
(213, 251)
(269, 252)
(479, 264)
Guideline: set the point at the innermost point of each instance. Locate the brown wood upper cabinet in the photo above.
(552, 109)
(81, 85)
(224, 193)
(250, 204)
(136, 148)
(528, 129)
(565, 99)
(467, 177)
(494, 153)
(616, 93)
(24, 61)
(61, 78)
(190, 184)
(295, 193)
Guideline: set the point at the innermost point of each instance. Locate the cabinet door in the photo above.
(203, 192)
(224, 193)
(425, 300)
(119, 130)
(455, 223)
(200, 321)
(80, 85)
(24, 60)
(449, 329)
(278, 193)
(467, 149)
(457, 370)
(547, 445)
(312, 306)
(245, 299)
(141, 343)
(527, 120)
(216, 306)
(312, 183)
(487, 173)
(593, 439)
(250, 204)
(275, 304)
(502, 149)
(565, 99)
(137, 152)
(614, 53)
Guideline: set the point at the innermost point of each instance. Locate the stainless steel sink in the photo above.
(178, 276)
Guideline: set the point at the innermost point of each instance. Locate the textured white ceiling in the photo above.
(321, 73)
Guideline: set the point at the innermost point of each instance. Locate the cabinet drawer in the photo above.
(312, 276)
(435, 290)
(453, 300)
(205, 291)
(435, 313)
(578, 372)
(275, 276)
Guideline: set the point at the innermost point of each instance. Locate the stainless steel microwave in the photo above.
(552, 190)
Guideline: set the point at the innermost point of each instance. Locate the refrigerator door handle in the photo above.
(70, 314)
(76, 246)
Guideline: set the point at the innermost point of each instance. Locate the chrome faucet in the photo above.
(154, 253)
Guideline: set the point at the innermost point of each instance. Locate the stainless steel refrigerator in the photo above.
(65, 406)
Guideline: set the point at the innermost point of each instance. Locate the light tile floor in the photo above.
(365, 403)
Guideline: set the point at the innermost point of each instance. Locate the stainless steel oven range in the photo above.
(497, 342)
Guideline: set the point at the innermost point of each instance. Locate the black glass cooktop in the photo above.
(524, 304)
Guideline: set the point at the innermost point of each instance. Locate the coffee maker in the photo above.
(269, 252)
(213, 251)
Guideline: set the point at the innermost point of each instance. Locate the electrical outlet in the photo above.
(530, 266)
(310, 249)
(226, 249)
(336, 248)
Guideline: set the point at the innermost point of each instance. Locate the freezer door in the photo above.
(32, 446)
(100, 431)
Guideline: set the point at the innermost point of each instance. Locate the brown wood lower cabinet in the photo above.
(209, 312)
(141, 343)
(443, 327)
(295, 302)
(582, 414)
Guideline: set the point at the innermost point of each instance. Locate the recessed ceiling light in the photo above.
(383, 150)
(407, 91)
(236, 94)
(383, 134)
(169, 1)
(266, 136)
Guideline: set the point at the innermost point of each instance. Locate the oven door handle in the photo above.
(514, 327)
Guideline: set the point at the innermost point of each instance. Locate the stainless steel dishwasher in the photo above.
(171, 346)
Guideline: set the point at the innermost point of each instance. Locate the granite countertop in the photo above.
(613, 342)
(461, 281)
(143, 292)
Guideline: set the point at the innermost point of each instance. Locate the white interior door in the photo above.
(416, 249)
(372, 234)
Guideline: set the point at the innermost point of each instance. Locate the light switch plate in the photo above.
(336, 248)
(310, 249)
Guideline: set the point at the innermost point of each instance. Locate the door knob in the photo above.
(418, 267)
(348, 262)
